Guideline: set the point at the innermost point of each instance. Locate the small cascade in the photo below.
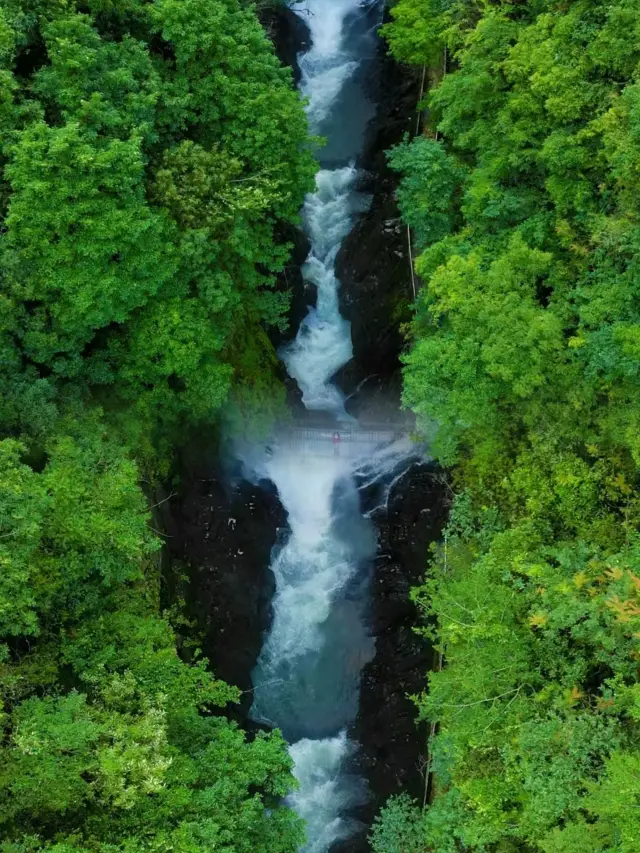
(323, 343)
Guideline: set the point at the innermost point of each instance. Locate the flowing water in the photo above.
(306, 680)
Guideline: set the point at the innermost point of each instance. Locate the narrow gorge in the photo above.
(347, 510)
(319, 426)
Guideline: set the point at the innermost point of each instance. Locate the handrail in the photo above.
(341, 435)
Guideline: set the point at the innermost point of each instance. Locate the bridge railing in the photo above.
(323, 440)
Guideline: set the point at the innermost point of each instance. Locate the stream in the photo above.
(306, 681)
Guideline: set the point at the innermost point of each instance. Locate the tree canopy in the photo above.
(152, 154)
(524, 370)
(153, 158)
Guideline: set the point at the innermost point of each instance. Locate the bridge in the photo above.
(340, 439)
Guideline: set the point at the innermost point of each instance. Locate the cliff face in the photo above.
(289, 34)
(376, 293)
(220, 539)
(373, 264)
(392, 744)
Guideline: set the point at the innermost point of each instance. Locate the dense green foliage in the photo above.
(153, 155)
(525, 371)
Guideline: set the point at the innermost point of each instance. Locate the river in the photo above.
(306, 681)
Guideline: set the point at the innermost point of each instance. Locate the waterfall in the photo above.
(306, 681)
(323, 343)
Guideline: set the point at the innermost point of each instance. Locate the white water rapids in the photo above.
(306, 681)
(323, 344)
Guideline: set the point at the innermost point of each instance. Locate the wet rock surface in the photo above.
(289, 33)
(386, 727)
(221, 536)
(373, 263)
(392, 744)
(303, 293)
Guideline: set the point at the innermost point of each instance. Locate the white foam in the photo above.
(327, 66)
(321, 795)
(313, 564)
(323, 344)
(328, 542)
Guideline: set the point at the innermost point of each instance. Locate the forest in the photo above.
(523, 196)
(154, 157)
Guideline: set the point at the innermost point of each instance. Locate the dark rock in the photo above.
(223, 535)
(375, 293)
(373, 263)
(386, 726)
(392, 744)
(356, 843)
(289, 34)
(303, 293)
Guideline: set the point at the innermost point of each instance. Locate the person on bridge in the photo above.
(335, 438)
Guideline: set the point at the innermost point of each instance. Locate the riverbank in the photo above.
(221, 534)
(376, 294)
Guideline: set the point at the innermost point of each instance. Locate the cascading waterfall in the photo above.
(323, 344)
(306, 680)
